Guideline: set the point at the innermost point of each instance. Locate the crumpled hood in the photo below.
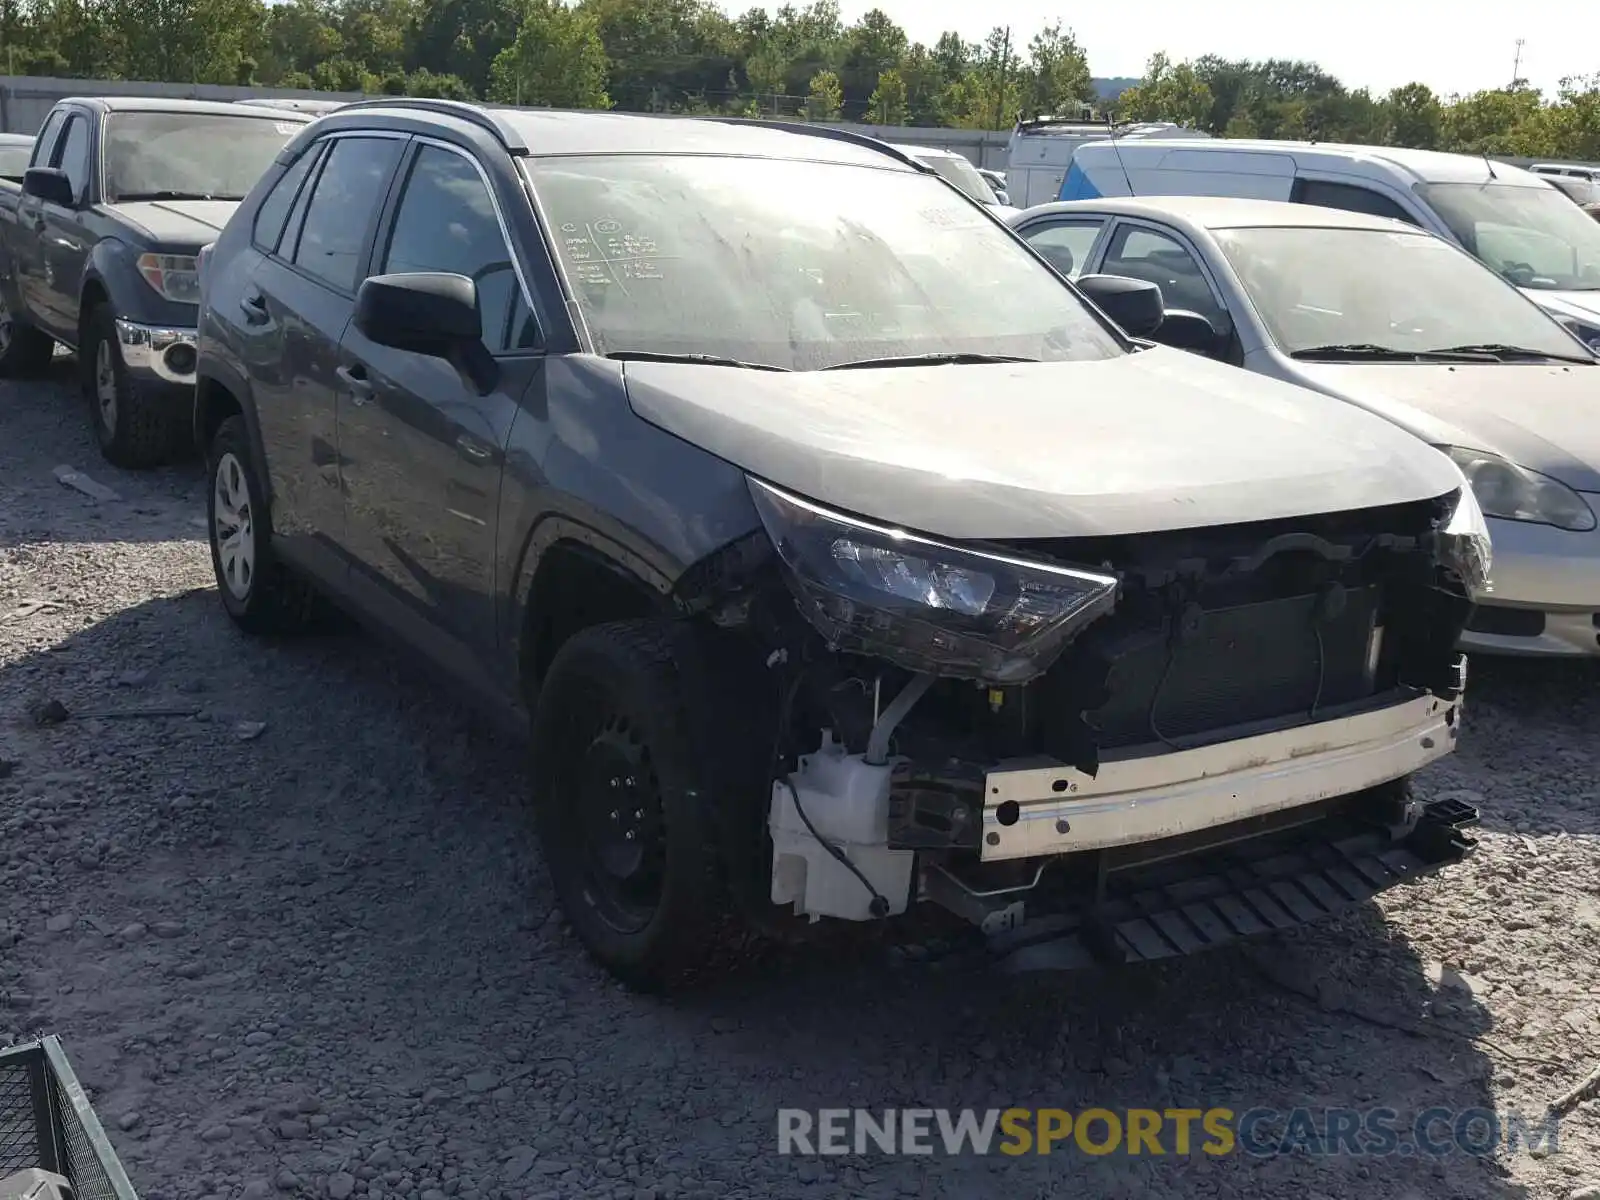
(1543, 416)
(178, 223)
(1139, 443)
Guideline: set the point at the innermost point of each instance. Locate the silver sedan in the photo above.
(1388, 317)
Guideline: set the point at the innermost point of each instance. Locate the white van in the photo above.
(1040, 151)
(1512, 219)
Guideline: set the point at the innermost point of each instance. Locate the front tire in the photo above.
(260, 593)
(625, 805)
(24, 351)
(135, 425)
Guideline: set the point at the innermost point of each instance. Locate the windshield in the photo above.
(800, 265)
(182, 155)
(14, 160)
(1407, 291)
(961, 173)
(1534, 236)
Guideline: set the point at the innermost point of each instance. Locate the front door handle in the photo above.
(254, 307)
(473, 448)
(355, 378)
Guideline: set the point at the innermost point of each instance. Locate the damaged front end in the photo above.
(1128, 746)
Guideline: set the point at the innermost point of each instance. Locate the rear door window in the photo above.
(273, 214)
(348, 194)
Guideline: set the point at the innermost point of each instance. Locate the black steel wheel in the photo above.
(625, 804)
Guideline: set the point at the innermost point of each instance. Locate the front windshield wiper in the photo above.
(703, 360)
(1505, 352)
(1370, 352)
(134, 197)
(929, 360)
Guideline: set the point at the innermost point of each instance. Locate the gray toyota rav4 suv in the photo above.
(835, 554)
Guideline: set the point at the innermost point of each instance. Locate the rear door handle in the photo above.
(254, 307)
(355, 378)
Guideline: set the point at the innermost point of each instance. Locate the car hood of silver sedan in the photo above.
(1139, 443)
(1545, 417)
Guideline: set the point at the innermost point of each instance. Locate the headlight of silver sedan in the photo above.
(1513, 493)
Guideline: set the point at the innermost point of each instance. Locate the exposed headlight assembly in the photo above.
(924, 605)
(174, 276)
(1464, 546)
(1512, 493)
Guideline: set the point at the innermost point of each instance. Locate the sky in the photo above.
(1453, 46)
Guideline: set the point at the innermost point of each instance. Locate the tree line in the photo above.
(692, 56)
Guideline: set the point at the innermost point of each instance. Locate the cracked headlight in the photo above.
(925, 605)
(1464, 546)
(1512, 493)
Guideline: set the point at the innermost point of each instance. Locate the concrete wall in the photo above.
(25, 99)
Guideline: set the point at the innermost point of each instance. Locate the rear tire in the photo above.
(260, 593)
(136, 425)
(24, 351)
(614, 756)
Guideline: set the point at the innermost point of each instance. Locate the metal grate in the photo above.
(19, 1136)
(46, 1121)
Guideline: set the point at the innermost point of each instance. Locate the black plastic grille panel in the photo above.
(1249, 662)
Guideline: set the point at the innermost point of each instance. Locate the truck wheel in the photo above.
(625, 806)
(260, 593)
(24, 351)
(135, 425)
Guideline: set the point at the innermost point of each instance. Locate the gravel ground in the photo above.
(302, 942)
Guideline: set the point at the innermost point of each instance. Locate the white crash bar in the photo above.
(1032, 808)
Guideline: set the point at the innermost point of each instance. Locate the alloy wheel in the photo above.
(232, 526)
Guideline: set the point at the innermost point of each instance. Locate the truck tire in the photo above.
(136, 426)
(260, 593)
(625, 806)
(24, 351)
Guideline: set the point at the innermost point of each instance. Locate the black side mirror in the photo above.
(431, 313)
(49, 184)
(1185, 330)
(1134, 304)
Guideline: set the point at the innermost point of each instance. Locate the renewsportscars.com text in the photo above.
(1259, 1132)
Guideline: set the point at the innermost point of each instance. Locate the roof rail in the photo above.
(831, 132)
(474, 114)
